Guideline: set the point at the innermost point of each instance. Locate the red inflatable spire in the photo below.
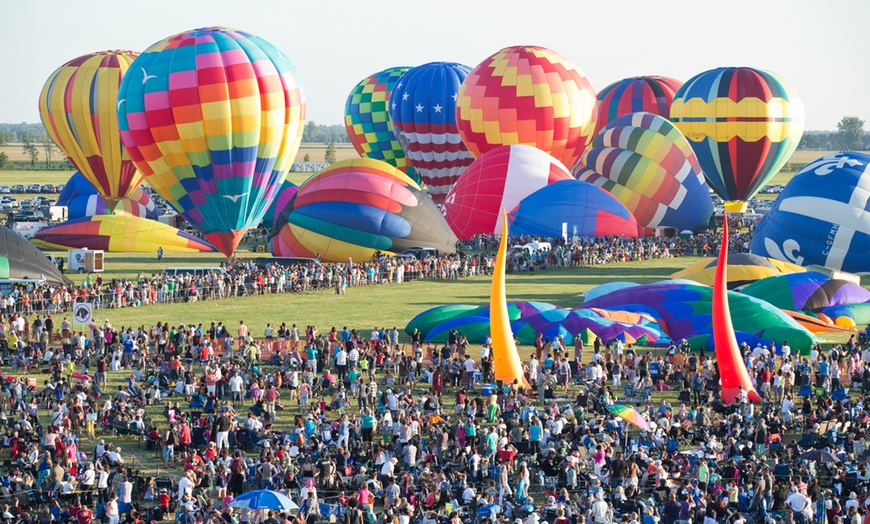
(731, 367)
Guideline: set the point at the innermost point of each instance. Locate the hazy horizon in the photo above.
(814, 46)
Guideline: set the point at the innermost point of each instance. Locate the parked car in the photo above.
(32, 188)
(18, 188)
(47, 188)
(5, 190)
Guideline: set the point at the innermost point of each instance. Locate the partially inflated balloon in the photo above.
(527, 95)
(497, 181)
(648, 94)
(77, 106)
(367, 119)
(587, 210)
(822, 216)
(213, 118)
(356, 208)
(649, 166)
(82, 200)
(423, 113)
(743, 123)
(282, 198)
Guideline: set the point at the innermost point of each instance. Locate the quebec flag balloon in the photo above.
(822, 217)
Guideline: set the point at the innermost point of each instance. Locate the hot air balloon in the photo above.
(82, 200)
(587, 210)
(19, 259)
(527, 95)
(498, 180)
(119, 233)
(282, 198)
(77, 107)
(743, 123)
(367, 120)
(356, 208)
(213, 118)
(822, 216)
(422, 110)
(743, 269)
(648, 94)
(649, 166)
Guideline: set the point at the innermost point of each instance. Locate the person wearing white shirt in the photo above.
(185, 486)
(600, 510)
(484, 352)
(236, 385)
(798, 502)
(389, 467)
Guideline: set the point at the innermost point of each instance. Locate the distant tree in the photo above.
(850, 134)
(329, 156)
(48, 146)
(4, 138)
(4, 160)
(306, 158)
(32, 152)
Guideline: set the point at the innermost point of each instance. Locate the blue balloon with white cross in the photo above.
(822, 217)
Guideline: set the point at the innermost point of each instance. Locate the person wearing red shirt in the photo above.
(84, 515)
(271, 396)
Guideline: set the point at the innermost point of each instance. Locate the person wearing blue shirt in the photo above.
(535, 434)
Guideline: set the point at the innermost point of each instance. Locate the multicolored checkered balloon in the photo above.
(77, 107)
(527, 95)
(743, 123)
(213, 118)
(367, 119)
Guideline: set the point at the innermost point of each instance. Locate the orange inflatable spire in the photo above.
(732, 370)
(506, 360)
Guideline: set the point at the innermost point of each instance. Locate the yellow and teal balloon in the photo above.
(77, 107)
(367, 120)
(743, 123)
(213, 118)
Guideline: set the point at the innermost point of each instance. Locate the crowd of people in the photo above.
(372, 427)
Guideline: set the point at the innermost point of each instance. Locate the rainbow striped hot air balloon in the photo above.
(527, 95)
(367, 120)
(355, 208)
(648, 94)
(213, 118)
(77, 106)
(743, 123)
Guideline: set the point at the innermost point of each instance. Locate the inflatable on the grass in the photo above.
(743, 268)
(506, 360)
(729, 360)
(82, 200)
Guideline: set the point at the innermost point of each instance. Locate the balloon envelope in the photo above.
(19, 259)
(282, 198)
(645, 162)
(367, 120)
(743, 123)
(649, 94)
(743, 268)
(356, 208)
(808, 291)
(120, 234)
(82, 200)
(213, 118)
(423, 113)
(77, 106)
(498, 181)
(588, 211)
(822, 216)
(527, 95)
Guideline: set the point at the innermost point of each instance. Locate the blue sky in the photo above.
(819, 47)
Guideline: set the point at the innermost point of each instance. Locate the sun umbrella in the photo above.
(264, 499)
(821, 456)
(629, 415)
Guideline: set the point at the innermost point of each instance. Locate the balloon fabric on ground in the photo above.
(822, 216)
(356, 208)
(588, 211)
(367, 120)
(649, 94)
(82, 200)
(809, 291)
(119, 233)
(683, 309)
(527, 95)
(743, 123)
(423, 114)
(213, 119)
(19, 259)
(77, 106)
(497, 181)
(645, 162)
(743, 268)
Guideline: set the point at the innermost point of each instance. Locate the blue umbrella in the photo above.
(264, 499)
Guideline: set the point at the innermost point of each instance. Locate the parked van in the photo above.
(177, 271)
